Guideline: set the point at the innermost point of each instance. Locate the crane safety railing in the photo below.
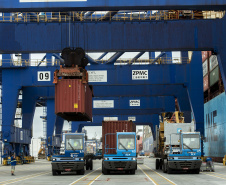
(144, 15)
(25, 63)
(33, 62)
(163, 60)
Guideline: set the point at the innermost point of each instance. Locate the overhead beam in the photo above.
(105, 5)
(182, 35)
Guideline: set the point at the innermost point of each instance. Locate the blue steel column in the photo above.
(26, 57)
(51, 118)
(10, 93)
(74, 126)
(59, 126)
(49, 59)
(187, 114)
(28, 107)
(6, 60)
(195, 91)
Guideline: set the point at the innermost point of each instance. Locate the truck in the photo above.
(119, 147)
(178, 145)
(72, 157)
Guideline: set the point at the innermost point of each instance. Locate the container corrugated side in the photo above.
(205, 83)
(214, 76)
(204, 55)
(110, 128)
(215, 127)
(205, 67)
(213, 62)
(73, 100)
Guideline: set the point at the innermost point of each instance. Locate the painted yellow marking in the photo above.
(152, 180)
(84, 177)
(22, 178)
(214, 176)
(69, 85)
(161, 175)
(94, 179)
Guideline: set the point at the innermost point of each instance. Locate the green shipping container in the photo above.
(214, 76)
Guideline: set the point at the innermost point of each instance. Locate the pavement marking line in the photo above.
(94, 179)
(161, 175)
(152, 180)
(83, 177)
(214, 176)
(21, 179)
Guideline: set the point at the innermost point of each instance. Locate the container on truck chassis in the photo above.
(72, 157)
(119, 146)
(178, 145)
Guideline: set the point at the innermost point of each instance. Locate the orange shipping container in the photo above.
(73, 100)
(204, 55)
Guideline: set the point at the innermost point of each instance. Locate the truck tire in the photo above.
(160, 164)
(54, 173)
(169, 170)
(91, 164)
(132, 172)
(87, 164)
(81, 172)
(105, 171)
(157, 164)
(196, 171)
(164, 168)
(59, 173)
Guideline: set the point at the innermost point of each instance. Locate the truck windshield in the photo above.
(126, 142)
(191, 141)
(74, 142)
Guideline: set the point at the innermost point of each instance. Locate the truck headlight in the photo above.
(54, 159)
(171, 157)
(81, 159)
(134, 159)
(106, 158)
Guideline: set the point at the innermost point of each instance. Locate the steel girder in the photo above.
(177, 35)
(104, 5)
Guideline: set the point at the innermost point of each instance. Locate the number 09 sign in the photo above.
(44, 76)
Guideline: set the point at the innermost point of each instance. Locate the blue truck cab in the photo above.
(188, 156)
(71, 156)
(125, 157)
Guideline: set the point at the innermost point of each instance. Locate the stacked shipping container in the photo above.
(212, 82)
(214, 108)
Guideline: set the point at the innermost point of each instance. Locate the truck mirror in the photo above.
(138, 137)
(101, 139)
(164, 140)
(86, 138)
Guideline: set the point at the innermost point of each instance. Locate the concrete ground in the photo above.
(40, 173)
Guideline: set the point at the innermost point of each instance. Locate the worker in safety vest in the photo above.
(77, 145)
(130, 144)
(13, 163)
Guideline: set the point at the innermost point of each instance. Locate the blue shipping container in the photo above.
(215, 127)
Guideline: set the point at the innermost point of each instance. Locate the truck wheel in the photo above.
(157, 164)
(54, 172)
(160, 164)
(164, 168)
(81, 172)
(169, 170)
(91, 164)
(87, 164)
(132, 172)
(105, 171)
(196, 171)
(59, 172)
